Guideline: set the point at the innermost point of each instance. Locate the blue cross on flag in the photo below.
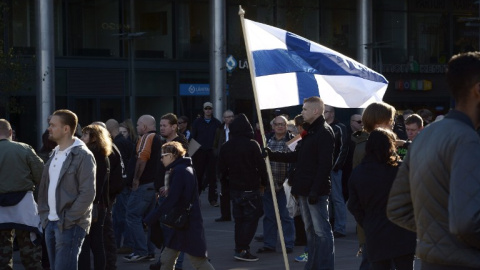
(288, 68)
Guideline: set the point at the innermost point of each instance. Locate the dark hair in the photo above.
(463, 72)
(47, 144)
(298, 120)
(184, 118)
(414, 119)
(68, 118)
(172, 118)
(381, 146)
(100, 139)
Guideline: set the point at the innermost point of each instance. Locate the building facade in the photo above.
(99, 44)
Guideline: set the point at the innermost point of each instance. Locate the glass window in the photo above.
(93, 28)
(154, 83)
(22, 27)
(193, 29)
(153, 24)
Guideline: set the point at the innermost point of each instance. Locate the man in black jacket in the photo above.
(339, 156)
(311, 182)
(241, 162)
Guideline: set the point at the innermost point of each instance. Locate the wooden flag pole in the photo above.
(251, 63)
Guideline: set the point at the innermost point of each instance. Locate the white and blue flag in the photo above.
(288, 68)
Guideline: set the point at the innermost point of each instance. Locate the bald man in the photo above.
(142, 196)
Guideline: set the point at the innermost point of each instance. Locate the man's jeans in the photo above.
(247, 210)
(270, 228)
(338, 202)
(120, 220)
(63, 246)
(321, 252)
(140, 203)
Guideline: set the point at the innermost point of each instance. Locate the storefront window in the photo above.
(22, 28)
(93, 28)
(153, 24)
(193, 29)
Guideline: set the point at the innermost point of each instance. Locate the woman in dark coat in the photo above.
(388, 245)
(99, 142)
(180, 186)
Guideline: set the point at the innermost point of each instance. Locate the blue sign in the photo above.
(197, 89)
(231, 63)
(194, 89)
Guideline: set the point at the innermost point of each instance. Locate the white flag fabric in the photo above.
(289, 68)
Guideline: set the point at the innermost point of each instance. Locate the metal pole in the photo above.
(364, 30)
(45, 66)
(218, 76)
(131, 62)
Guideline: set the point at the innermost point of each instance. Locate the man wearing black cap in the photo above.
(203, 131)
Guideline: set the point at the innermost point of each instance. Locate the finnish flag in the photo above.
(288, 68)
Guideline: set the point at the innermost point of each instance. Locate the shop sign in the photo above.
(197, 89)
(417, 85)
(194, 89)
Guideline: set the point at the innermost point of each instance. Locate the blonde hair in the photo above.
(377, 113)
(174, 148)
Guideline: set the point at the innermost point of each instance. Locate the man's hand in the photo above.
(266, 152)
(312, 199)
(135, 184)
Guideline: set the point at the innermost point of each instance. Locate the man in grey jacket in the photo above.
(437, 190)
(66, 192)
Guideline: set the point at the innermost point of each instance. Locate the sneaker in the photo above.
(302, 258)
(150, 257)
(214, 203)
(245, 256)
(134, 257)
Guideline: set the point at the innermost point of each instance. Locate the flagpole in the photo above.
(241, 13)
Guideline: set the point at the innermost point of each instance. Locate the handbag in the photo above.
(178, 217)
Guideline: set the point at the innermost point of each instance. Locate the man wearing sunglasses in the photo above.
(203, 131)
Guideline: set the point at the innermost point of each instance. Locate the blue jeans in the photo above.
(63, 246)
(119, 219)
(338, 202)
(270, 228)
(321, 252)
(247, 210)
(140, 203)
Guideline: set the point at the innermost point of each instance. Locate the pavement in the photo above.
(220, 244)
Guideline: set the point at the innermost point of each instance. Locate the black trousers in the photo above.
(204, 164)
(109, 241)
(225, 202)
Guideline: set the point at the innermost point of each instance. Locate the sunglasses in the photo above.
(207, 108)
(358, 121)
(163, 155)
(180, 122)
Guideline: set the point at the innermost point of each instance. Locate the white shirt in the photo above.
(227, 131)
(58, 159)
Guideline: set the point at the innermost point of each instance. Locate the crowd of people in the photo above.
(412, 184)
